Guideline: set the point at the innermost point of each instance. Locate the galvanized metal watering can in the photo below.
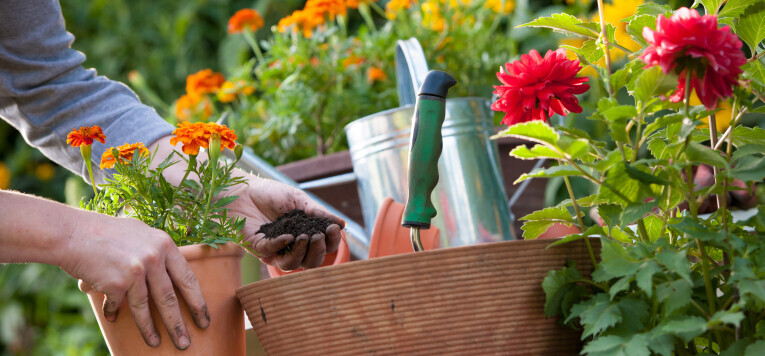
(470, 198)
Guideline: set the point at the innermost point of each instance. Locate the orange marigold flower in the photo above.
(245, 19)
(302, 20)
(126, 152)
(330, 8)
(85, 136)
(375, 74)
(197, 135)
(352, 60)
(204, 82)
(354, 4)
(189, 105)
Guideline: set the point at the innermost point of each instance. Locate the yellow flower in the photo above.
(45, 171)
(497, 6)
(431, 16)
(722, 116)
(614, 14)
(5, 176)
(227, 92)
(394, 6)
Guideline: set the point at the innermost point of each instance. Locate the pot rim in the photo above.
(199, 251)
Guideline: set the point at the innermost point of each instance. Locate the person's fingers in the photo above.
(112, 302)
(162, 292)
(314, 255)
(292, 259)
(138, 301)
(268, 247)
(183, 279)
(333, 237)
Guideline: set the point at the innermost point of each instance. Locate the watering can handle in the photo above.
(411, 69)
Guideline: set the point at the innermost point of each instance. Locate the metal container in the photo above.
(470, 197)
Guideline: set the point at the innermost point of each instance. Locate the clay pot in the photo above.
(219, 274)
(482, 299)
(390, 238)
(342, 255)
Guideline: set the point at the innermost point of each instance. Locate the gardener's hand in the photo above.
(126, 259)
(261, 201)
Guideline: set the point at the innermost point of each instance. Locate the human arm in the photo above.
(120, 257)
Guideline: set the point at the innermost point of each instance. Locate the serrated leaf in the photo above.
(754, 70)
(726, 317)
(563, 23)
(636, 173)
(749, 169)
(743, 135)
(751, 25)
(620, 285)
(536, 152)
(589, 51)
(621, 77)
(619, 112)
(699, 153)
(675, 261)
(555, 171)
(754, 288)
(539, 221)
(685, 327)
(556, 285)
(599, 316)
(636, 211)
(663, 344)
(611, 214)
(635, 28)
(645, 85)
(733, 8)
(604, 345)
(615, 261)
(662, 122)
(536, 131)
(644, 277)
(712, 6)
(650, 8)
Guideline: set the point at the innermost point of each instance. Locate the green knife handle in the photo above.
(425, 149)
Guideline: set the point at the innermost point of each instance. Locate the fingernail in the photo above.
(154, 340)
(183, 342)
(110, 317)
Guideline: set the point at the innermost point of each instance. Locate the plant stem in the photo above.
(213, 183)
(638, 139)
(579, 219)
(367, 15)
(250, 38)
(604, 36)
(687, 101)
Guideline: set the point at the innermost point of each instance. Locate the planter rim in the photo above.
(199, 251)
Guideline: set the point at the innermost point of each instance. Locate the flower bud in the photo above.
(116, 153)
(213, 149)
(238, 149)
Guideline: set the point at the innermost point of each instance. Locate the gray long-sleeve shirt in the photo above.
(45, 92)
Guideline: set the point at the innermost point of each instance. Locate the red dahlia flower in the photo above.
(690, 43)
(534, 87)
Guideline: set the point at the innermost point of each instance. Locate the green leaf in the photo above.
(726, 317)
(675, 261)
(619, 112)
(599, 316)
(636, 173)
(644, 277)
(756, 349)
(555, 171)
(604, 345)
(636, 211)
(685, 327)
(743, 135)
(563, 23)
(536, 131)
(611, 214)
(621, 77)
(698, 153)
(536, 152)
(662, 122)
(733, 8)
(663, 345)
(710, 5)
(691, 228)
(637, 309)
(224, 201)
(556, 285)
(539, 221)
(754, 70)
(621, 285)
(652, 9)
(750, 169)
(751, 25)
(754, 288)
(646, 84)
(635, 28)
(589, 50)
(615, 261)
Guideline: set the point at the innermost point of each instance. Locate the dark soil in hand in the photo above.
(295, 222)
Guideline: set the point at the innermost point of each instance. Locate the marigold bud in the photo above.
(213, 149)
(238, 150)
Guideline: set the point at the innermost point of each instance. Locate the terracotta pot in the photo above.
(342, 255)
(471, 300)
(390, 238)
(219, 274)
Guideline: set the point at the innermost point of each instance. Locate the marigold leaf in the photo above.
(563, 23)
(751, 25)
